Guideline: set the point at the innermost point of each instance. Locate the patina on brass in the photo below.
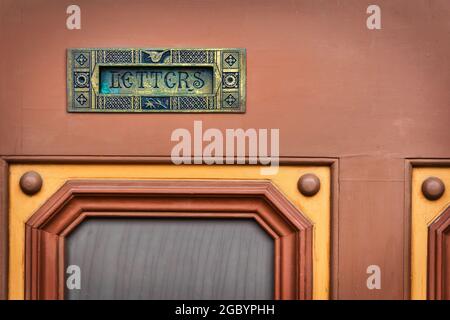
(156, 80)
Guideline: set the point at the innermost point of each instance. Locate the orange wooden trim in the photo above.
(438, 261)
(46, 229)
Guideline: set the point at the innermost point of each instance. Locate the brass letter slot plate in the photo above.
(156, 80)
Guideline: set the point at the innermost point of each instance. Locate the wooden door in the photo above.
(365, 110)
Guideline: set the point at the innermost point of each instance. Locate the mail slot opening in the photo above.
(156, 80)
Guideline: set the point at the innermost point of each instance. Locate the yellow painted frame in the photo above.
(424, 212)
(317, 209)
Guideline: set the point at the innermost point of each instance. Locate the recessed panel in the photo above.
(127, 258)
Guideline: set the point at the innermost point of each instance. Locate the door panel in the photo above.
(171, 259)
(58, 179)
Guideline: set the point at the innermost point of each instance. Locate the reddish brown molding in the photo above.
(439, 257)
(4, 230)
(76, 200)
(148, 160)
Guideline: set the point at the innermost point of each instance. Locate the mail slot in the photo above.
(156, 80)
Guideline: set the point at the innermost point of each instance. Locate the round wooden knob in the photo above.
(308, 184)
(31, 182)
(433, 188)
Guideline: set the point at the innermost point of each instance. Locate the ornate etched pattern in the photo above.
(99, 57)
(81, 59)
(192, 56)
(81, 79)
(155, 56)
(230, 60)
(81, 99)
(118, 56)
(230, 100)
(197, 103)
(155, 103)
(230, 80)
(136, 102)
(115, 103)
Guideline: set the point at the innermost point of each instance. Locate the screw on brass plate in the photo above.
(433, 188)
(30, 183)
(308, 184)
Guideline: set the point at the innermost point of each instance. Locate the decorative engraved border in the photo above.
(229, 79)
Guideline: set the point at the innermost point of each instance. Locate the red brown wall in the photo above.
(333, 87)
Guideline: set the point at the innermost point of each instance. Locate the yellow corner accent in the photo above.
(424, 212)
